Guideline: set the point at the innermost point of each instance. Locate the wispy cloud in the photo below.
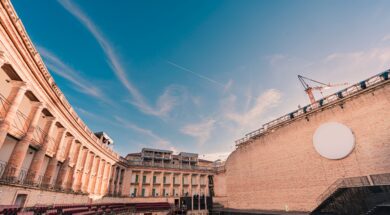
(162, 108)
(56, 65)
(157, 141)
(263, 102)
(201, 131)
(215, 156)
(386, 38)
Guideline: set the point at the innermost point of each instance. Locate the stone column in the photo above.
(99, 177)
(48, 178)
(62, 178)
(74, 154)
(20, 151)
(120, 186)
(72, 157)
(79, 169)
(171, 184)
(112, 179)
(140, 179)
(107, 171)
(39, 156)
(95, 166)
(15, 98)
(87, 172)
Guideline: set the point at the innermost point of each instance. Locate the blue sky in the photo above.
(196, 75)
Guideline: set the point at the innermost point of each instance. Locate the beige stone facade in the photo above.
(277, 167)
(43, 142)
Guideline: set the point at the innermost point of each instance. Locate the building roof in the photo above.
(157, 150)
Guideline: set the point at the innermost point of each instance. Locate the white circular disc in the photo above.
(333, 140)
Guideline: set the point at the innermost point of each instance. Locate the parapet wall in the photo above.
(280, 170)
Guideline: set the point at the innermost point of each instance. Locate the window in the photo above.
(20, 200)
(144, 179)
(173, 192)
(163, 192)
(136, 178)
(174, 180)
(154, 192)
(134, 192)
(165, 179)
(154, 179)
(143, 192)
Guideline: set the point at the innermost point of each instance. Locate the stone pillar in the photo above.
(87, 172)
(141, 176)
(120, 184)
(62, 178)
(48, 178)
(171, 184)
(74, 153)
(79, 169)
(112, 180)
(20, 151)
(15, 98)
(99, 177)
(39, 156)
(72, 157)
(106, 173)
(95, 166)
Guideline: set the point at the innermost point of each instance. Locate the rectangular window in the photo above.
(154, 179)
(163, 192)
(144, 179)
(173, 192)
(165, 180)
(143, 192)
(136, 178)
(135, 192)
(153, 192)
(174, 180)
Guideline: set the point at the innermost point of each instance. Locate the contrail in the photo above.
(196, 74)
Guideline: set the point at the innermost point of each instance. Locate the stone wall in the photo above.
(35, 196)
(282, 171)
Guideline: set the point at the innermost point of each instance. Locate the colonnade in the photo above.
(44, 152)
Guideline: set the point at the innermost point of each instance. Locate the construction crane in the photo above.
(309, 89)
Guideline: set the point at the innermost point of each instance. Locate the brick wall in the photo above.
(281, 170)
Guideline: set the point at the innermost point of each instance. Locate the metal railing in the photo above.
(349, 91)
(378, 179)
(38, 136)
(20, 123)
(4, 105)
(168, 165)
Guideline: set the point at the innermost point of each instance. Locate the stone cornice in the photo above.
(45, 80)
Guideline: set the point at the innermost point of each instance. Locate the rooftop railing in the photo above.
(169, 166)
(349, 91)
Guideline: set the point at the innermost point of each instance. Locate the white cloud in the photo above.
(57, 66)
(162, 108)
(263, 102)
(386, 38)
(156, 140)
(228, 85)
(215, 156)
(201, 131)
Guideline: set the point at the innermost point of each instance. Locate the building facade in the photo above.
(43, 142)
(155, 173)
(279, 168)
